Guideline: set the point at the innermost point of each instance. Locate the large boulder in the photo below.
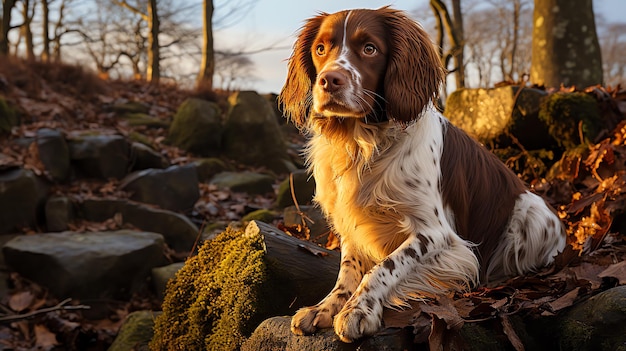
(100, 156)
(54, 153)
(87, 265)
(489, 114)
(197, 127)
(174, 188)
(21, 199)
(252, 135)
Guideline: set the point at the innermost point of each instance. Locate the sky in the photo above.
(275, 23)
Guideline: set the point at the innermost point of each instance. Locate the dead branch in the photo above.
(61, 306)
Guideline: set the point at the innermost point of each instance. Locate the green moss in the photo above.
(263, 215)
(212, 302)
(8, 116)
(563, 112)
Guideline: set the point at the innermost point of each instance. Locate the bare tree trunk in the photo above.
(207, 67)
(5, 25)
(460, 44)
(565, 46)
(454, 29)
(26, 30)
(517, 6)
(153, 72)
(45, 53)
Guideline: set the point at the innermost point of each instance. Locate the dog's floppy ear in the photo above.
(414, 70)
(295, 98)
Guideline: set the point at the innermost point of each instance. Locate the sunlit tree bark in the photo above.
(207, 67)
(565, 46)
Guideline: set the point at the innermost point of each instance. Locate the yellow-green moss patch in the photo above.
(212, 302)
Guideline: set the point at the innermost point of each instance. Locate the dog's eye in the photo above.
(320, 50)
(369, 49)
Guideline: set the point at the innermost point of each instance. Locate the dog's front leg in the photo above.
(425, 264)
(308, 319)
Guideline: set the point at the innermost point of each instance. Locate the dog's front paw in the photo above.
(308, 319)
(352, 323)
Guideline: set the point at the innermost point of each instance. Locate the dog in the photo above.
(421, 209)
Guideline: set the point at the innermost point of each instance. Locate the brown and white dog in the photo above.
(420, 207)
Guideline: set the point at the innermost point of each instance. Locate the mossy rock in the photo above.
(244, 182)
(252, 135)
(564, 112)
(197, 127)
(136, 332)
(138, 119)
(8, 116)
(490, 115)
(214, 301)
(597, 324)
(207, 168)
(304, 189)
(263, 215)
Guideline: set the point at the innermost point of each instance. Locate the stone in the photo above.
(162, 275)
(488, 114)
(563, 113)
(22, 196)
(8, 116)
(174, 188)
(275, 334)
(314, 219)
(245, 182)
(144, 120)
(263, 215)
(123, 107)
(596, 324)
(87, 265)
(304, 189)
(54, 153)
(100, 156)
(144, 157)
(136, 332)
(179, 232)
(197, 127)
(59, 212)
(207, 168)
(252, 135)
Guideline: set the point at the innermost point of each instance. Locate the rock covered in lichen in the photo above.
(214, 301)
(567, 115)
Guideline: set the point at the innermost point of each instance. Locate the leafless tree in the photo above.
(151, 17)
(498, 41)
(452, 25)
(5, 25)
(612, 38)
(233, 70)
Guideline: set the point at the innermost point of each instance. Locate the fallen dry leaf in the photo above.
(21, 301)
(44, 338)
(617, 270)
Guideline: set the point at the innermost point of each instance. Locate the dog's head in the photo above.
(376, 64)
